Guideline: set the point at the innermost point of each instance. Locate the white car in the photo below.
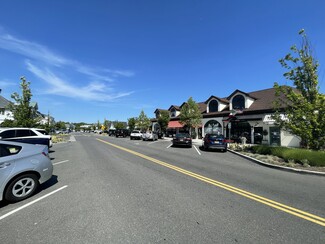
(26, 135)
(22, 168)
(136, 134)
(150, 136)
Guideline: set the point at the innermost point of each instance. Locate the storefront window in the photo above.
(212, 126)
(275, 137)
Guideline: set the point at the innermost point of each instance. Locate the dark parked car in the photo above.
(121, 133)
(182, 139)
(214, 141)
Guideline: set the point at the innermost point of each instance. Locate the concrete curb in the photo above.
(284, 168)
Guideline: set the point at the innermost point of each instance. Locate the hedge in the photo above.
(301, 156)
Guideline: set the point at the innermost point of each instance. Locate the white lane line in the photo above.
(169, 146)
(152, 142)
(61, 162)
(197, 150)
(72, 138)
(32, 202)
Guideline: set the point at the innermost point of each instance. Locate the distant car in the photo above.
(22, 168)
(26, 135)
(136, 134)
(111, 132)
(182, 139)
(214, 141)
(98, 131)
(121, 132)
(150, 136)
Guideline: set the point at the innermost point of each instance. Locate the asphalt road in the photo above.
(117, 190)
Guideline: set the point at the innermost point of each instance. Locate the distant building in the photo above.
(4, 112)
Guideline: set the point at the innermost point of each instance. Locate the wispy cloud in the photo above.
(31, 50)
(42, 62)
(6, 83)
(95, 91)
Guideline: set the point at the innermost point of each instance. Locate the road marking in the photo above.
(72, 139)
(197, 150)
(152, 142)
(169, 146)
(296, 212)
(61, 162)
(32, 202)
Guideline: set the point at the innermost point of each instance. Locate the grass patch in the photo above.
(60, 138)
(293, 155)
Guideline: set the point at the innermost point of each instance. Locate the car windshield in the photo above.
(181, 135)
(43, 132)
(135, 131)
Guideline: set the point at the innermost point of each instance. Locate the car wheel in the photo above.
(21, 188)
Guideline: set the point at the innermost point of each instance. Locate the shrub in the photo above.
(301, 156)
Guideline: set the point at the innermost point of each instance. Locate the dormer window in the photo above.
(238, 102)
(213, 106)
(173, 113)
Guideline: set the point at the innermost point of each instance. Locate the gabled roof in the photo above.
(174, 106)
(224, 100)
(4, 102)
(263, 99)
(202, 106)
(239, 91)
(160, 110)
(263, 102)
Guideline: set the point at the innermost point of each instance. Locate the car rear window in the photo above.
(182, 135)
(23, 133)
(216, 137)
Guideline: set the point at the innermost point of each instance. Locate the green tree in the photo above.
(106, 124)
(60, 125)
(24, 114)
(163, 120)
(190, 115)
(143, 121)
(8, 123)
(302, 105)
(98, 126)
(119, 125)
(132, 123)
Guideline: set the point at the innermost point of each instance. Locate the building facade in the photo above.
(239, 115)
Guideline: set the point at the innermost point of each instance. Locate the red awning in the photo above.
(174, 124)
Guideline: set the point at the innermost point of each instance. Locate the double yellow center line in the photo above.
(296, 212)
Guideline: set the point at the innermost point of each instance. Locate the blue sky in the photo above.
(92, 60)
